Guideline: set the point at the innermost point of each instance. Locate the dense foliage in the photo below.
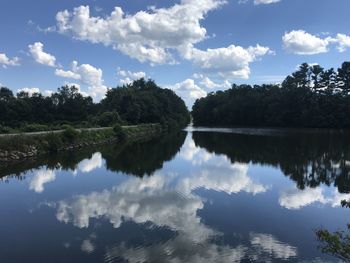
(310, 97)
(336, 243)
(144, 102)
(139, 102)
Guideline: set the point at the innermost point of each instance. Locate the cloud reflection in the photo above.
(40, 178)
(295, 198)
(88, 165)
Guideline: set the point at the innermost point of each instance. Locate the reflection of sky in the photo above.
(169, 199)
(217, 211)
(43, 176)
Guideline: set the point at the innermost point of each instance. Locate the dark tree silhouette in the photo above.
(309, 97)
(139, 102)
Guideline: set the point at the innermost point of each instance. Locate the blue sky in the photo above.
(191, 46)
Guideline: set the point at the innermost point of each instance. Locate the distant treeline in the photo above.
(140, 102)
(310, 97)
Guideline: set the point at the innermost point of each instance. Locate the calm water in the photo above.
(195, 196)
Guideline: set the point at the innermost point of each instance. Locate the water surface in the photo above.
(196, 196)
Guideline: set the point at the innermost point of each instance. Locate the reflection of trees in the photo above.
(143, 158)
(66, 161)
(309, 159)
(138, 158)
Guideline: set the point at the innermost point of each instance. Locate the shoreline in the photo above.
(21, 147)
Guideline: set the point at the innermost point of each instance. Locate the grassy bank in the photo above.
(22, 146)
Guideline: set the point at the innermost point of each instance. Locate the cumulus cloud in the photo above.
(40, 178)
(302, 43)
(145, 35)
(197, 87)
(47, 92)
(30, 91)
(127, 77)
(227, 62)
(67, 74)
(41, 57)
(158, 34)
(88, 75)
(6, 61)
(343, 42)
(206, 82)
(188, 90)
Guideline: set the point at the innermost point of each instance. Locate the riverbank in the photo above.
(20, 147)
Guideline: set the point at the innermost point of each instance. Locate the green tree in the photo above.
(344, 78)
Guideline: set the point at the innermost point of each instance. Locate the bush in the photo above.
(5, 129)
(52, 142)
(34, 128)
(108, 119)
(70, 134)
(119, 132)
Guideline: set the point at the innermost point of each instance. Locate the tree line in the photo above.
(310, 97)
(139, 102)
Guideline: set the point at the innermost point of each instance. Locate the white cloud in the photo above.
(30, 91)
(127, 77)
(210, 84)
(88, 75)
(40, 178)
(6, 61)
(145, 35)
(343, 42)
(227, 62)
(41, 57)
(47, 92)
(302, 43)
(188, 91)
(192, 89)
(67, 74)
(265, 2)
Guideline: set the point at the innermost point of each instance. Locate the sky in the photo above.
(190, 46)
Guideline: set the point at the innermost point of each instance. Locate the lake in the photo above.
(200, 195)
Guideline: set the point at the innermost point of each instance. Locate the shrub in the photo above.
(70, 134)
(119, 132)
(34, 128)
(52, 142)
(5, 129)
(108, 119)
